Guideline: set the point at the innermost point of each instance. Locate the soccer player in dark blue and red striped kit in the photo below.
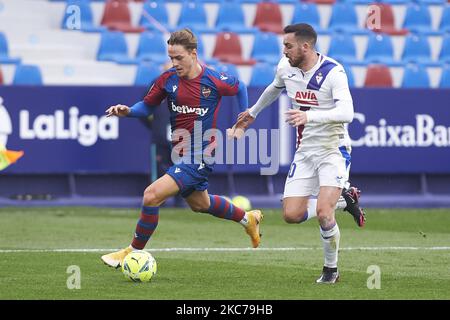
(193, 92)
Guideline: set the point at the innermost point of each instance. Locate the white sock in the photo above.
(312, 207)
(244, 220)
(341, 204)
(330, 240)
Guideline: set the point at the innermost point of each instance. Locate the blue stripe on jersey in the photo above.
(320, 75)
(346, 155)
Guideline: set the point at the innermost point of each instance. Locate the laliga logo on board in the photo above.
(5, 124)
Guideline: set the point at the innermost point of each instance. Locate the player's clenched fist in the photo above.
(118, 110)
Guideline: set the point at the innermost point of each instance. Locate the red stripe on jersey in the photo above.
(312, 103)
(157, 93)
(225, 89)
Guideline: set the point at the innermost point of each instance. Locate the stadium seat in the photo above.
(27, 75)
(445, 77)
(378, 75)
(415, 76)
(226, 68)
(380, 49)
(152, 47)
(193, 16)
(307, 13)
(231, 18)
(228, 49)
(387, 20)
(417, 19)
(322, 1)
(85, 16)
(113, 47)
(262, 75)
(266, 48)
(268, 17)
(344, 19)
(154, 16)
(4, 51)
(350, 78)
(342, 48)
(416, 49)
(117, 16)
(445, 20)
(444, 55)
(146, 73)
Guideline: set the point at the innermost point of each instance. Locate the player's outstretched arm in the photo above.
(138, 110)
(243, 122)
(119, 110)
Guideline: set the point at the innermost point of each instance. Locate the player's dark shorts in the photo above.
(190, 177)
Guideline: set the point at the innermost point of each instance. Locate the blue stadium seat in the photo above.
(416, 49)
(231, 18)
(154, 12)
(27, 75)
(4, 51)
(113, 47)
(342, 48)
(344, 19)
(350, 77)
(266, 48)
(152, 47)
(444, 56)
(445, 20)
(415, 76)
(445, 77)
(418, 19)
(395, 2)
(146, 73)
(79, 9)
(262, 75)
(193, 16)
(226, 68)
(380, 50)
(307, 13)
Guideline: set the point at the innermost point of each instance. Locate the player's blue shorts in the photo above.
(190, 177)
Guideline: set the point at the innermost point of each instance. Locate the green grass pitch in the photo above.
(410, 247)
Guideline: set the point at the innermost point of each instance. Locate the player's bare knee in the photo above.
(293, 216)
(151, 198)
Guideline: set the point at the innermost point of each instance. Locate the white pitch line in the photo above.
(226, 249)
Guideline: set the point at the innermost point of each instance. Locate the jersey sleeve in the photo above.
(278, 82)
(157, 93)
(339, 85)
(226, 85)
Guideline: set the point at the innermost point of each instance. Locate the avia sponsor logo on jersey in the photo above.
(424, 133)
(5, 124)
(306, 97)
(86, 129)
(187, 109)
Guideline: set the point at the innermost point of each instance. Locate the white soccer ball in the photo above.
(139, 266)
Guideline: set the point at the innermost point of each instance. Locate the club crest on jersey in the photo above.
(319, 77)
(206, 91)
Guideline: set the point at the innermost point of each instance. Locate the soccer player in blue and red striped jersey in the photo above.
(193, 93)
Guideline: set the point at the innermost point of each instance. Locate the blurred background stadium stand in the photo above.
(94, 43)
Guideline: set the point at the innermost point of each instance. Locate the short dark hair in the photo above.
(303, 31)
(185, 38)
